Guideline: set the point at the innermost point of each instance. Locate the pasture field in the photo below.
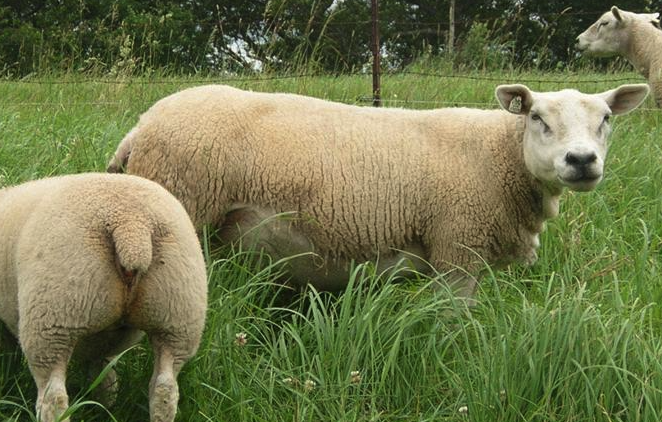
(576, 337)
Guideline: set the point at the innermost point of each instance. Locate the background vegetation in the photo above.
(185, 37)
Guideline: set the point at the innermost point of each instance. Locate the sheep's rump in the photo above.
(82, 234)
(89, 262)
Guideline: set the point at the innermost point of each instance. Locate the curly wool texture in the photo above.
(644, 51)
(86, 262)
(449, 184)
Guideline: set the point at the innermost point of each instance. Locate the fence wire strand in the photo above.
(258, 78)
(567, 81)
(363, 99)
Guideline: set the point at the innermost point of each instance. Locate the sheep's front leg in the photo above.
(106, 391)
(462, 284)
(98, 350)
(457, 264)
(655, 83)
(8, 342)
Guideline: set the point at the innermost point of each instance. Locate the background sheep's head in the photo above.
(610, 34)
(565, 134)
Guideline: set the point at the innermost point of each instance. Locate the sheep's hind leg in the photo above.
(48, 345)
(50, 376)
(169, 356)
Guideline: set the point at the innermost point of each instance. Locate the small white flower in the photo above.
(463, 410)
(309, 385)
(240, 339)
(355, 377)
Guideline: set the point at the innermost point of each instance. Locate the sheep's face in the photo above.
(565, 132)
(610, 34)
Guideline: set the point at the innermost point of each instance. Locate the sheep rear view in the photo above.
(88, 263)
(441, 188)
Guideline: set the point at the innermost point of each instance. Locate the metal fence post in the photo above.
(376, 88)
(451, 27)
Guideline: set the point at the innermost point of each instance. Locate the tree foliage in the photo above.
(132, 36)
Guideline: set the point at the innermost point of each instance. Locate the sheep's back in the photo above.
(363, 177)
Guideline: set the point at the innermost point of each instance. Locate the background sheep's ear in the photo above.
(617, 13)
(516, 99)
(625, 98)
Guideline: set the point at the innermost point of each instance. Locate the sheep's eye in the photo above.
(605, 122)
(536, 117)
(601, 24)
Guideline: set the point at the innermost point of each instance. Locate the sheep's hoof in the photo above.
(106, 391)
(163, 400)
(54, 404)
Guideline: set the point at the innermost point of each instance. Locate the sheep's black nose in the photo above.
(580, 159)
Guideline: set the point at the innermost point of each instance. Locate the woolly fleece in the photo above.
(86, 262)
(447, 185)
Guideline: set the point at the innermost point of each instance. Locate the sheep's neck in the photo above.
(536, 201)
(550, 201)
(547, 194)
(644, 46)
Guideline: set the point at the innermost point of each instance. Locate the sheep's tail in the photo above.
(133, 248)
(121, 158)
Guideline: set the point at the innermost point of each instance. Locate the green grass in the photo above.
(576, 337)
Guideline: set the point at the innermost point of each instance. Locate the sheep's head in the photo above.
(610, 34)
(565, 132)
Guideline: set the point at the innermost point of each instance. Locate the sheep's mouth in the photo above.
(583, 183)
(587, 50)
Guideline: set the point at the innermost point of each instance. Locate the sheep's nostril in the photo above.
(580, 159)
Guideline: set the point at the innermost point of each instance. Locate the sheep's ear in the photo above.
(617, 13)
(516, 99)
(651, 17)
(625, 98)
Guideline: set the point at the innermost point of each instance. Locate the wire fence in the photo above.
(566, 81)
(574, 79)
